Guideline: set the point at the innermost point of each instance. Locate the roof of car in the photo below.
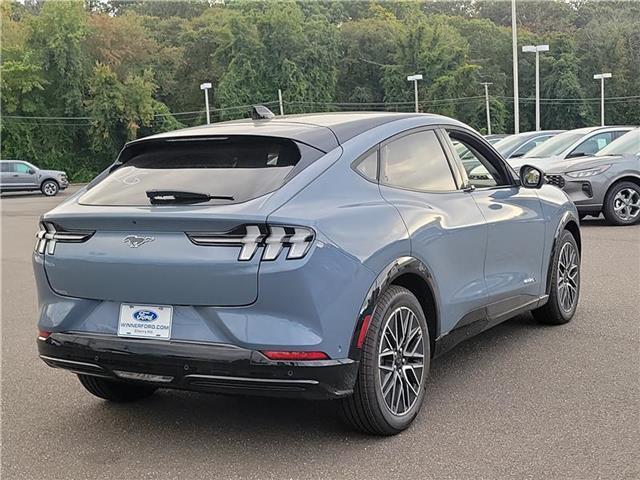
(324, 131)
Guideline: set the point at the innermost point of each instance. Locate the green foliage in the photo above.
(81, 78)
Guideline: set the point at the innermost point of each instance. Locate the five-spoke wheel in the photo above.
(622, 204)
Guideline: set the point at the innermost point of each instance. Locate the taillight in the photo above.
(274, 238)
(286, 355)
(43, 335)
(50, 234)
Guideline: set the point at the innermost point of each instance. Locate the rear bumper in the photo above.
(217, 368)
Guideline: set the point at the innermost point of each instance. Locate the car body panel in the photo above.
(588, 193)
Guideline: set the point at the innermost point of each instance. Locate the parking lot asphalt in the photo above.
(519, 401)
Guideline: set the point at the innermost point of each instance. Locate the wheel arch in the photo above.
(47, 179)
(624, 178)
(412, 274)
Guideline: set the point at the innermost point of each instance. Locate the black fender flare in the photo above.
(567, 217)
(400, 266)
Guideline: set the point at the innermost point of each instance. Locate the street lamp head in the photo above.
(535, 48)
(600, 76)
(205, 86)
(413, 78)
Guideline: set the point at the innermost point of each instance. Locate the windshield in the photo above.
(219, 170)
(627, 144)
(555, 145)
(506, 145)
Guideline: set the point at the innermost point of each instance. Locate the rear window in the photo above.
(236, 168)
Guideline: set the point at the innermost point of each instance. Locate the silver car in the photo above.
(515, 146)
(21, 176)
(581, 142)
(608, 182)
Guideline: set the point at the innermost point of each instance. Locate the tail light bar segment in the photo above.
(50, 234)
(274, 238)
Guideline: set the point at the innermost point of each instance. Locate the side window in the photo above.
(6, 167)
(368, 167)
(480, 171)
(21, 168)
(417, 162)
(592, 145)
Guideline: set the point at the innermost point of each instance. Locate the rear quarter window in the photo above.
(239, 167)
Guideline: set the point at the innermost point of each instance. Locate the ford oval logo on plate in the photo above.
(145, 315)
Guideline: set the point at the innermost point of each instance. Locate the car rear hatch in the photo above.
(175, 223)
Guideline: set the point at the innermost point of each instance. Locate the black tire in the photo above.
(115, 391)
(610, 203)
(554, 312)
(367, 410)
(50, 188)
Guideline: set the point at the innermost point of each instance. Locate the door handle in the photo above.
(16, 175)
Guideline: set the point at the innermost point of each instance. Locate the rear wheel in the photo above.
(394, 366)
(565, 283)
(622, 204)
(49, 188)
(115, 391)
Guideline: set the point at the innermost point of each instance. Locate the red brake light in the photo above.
(42, 335)
(363, 330)
(278, 355)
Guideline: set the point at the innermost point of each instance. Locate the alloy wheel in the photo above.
(401, 361)
(50, 188)
(626, 204)
(568, 277)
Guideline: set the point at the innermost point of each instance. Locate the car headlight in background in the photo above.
(588, 172)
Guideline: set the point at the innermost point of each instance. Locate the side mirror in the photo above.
(31, 171)
(531, 177)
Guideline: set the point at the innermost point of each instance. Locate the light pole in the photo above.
(206, 87)
(601, 77)
(537, 49)
(414, 79)
(486, 99)
(514, 46)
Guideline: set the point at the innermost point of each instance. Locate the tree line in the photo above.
(81, 78)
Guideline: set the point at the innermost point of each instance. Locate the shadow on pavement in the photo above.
(190, 417)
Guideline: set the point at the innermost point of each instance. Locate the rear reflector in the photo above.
(363, 330)
(145, 377)
(42, 335)
(271, 355)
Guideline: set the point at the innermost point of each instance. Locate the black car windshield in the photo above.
(555, 145)
(628, 144)
(227, 169)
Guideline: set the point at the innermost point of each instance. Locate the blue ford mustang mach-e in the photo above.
(320, 256)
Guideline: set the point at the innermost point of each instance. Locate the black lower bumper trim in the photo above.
(200, 367)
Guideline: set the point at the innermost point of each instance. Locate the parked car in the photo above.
(581, 142)
(518, 145)
(21, 176)
(495, 137)
(608, 182)
(319, 256)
